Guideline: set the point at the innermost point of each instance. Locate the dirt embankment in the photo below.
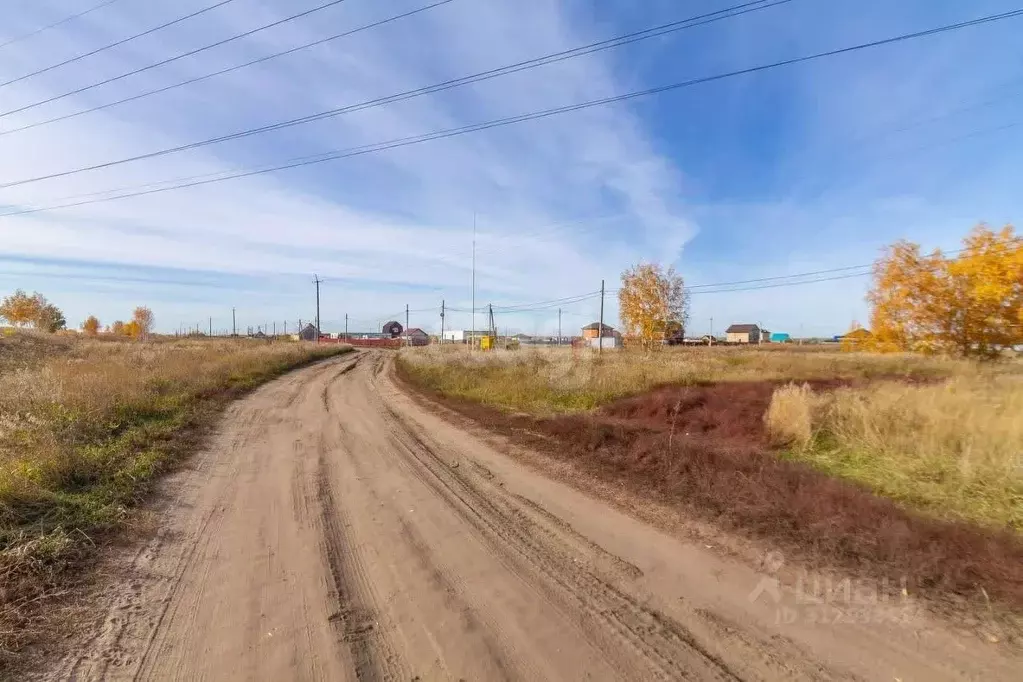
(704, 448)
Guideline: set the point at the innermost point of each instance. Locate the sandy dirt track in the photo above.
(336, 530)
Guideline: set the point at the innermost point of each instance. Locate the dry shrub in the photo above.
(789, 417)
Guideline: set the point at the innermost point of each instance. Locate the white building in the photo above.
(461, 335)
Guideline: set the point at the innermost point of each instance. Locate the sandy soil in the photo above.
(336, 530)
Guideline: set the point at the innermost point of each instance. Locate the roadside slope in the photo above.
(336, 530)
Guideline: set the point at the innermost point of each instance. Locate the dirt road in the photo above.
(335, 530)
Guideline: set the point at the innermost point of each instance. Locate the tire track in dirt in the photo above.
(609, 616)
(354, 619)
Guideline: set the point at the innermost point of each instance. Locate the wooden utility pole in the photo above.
(559, 326)
(600, 330)
(406, 324)
(442, 321)
(473, 333)
(211, 327)
(346, 327)
(234, 325)
(317, 280)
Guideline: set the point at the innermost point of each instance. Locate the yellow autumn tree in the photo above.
(117, 328)
(653, 303)
(142, 318)
(20, 309)
(91, 325)
(133, 329)
(970, 305)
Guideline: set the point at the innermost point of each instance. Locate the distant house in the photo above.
(463, 335)
(855, 337)
(859, 333)
(743, 333)
(308, 333)
(593, 331)
(393, 329)
(417, 337)
(596, 337)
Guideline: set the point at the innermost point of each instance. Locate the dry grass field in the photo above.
(954, 448)
(902, 463)
(553, 380)
(85, 426)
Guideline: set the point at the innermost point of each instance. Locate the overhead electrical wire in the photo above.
(221, 72)
(709, 288)
(536, 62)
(116, 43)
(452, 132)
(169, 60)
(60, 22)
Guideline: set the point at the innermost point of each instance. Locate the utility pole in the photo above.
(559, 326)
(712, 330)
(211, 327)
(234, 326)
(346, 327)
(275, 329)
(600, 329)
(442, 321)
(473, 333)
(317, 280)
(406, 324)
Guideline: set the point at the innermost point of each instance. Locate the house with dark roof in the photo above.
(417, 337)
(393, 329)
(743, 333)
(593, 331)
(308, 333)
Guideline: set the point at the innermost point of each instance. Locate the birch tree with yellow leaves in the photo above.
(653, 303)
(970, 305)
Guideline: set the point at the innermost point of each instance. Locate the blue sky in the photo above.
(807, 167)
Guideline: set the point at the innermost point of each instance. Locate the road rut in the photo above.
(335, 530)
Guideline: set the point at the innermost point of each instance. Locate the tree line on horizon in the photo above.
(34, 310)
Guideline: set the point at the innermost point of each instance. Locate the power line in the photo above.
(175, 58)
(30, 34)
(430, 89)
(452, 132)
(115, 44)
(207, 76)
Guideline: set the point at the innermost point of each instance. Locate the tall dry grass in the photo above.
(85, 427)
(564, 380)
(954, 449)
